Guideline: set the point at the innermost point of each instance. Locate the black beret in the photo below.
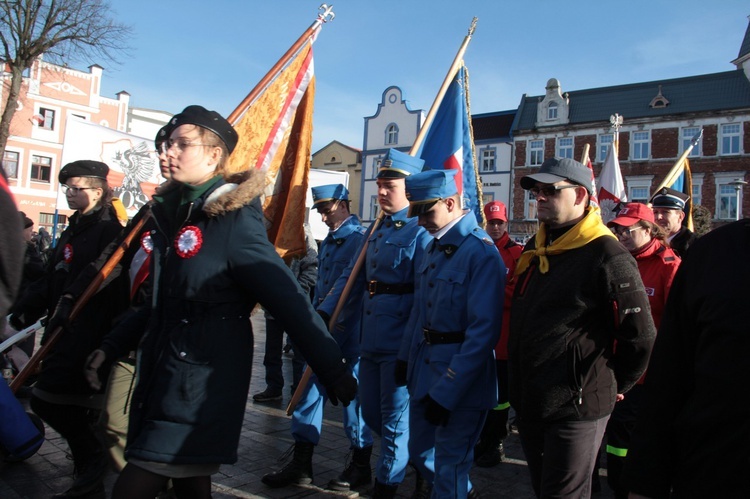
(211, 120)
(83, 168)
(26, 221)
(163, 135)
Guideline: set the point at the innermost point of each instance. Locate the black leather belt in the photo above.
(376, 288)
(439, 338)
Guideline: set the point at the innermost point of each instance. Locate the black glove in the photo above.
(60, 317)
(435, 413)
(16, 321)
(343, 389)
(399, 372)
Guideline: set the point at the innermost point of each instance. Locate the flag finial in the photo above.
(326, 15)
(473, 26)
(616, 121)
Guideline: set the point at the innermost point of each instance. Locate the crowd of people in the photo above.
(426, 327)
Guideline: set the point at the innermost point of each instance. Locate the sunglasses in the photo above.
(549, 191)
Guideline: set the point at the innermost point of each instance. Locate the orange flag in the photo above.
(275, 136)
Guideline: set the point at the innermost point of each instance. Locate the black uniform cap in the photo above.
(211, 120)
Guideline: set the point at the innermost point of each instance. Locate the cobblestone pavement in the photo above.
(265, 437)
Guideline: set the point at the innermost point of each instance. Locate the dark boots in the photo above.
(489, 450)
(422, 489)
(383, 491)
(358, 472)
(297, 471)
(88, 484)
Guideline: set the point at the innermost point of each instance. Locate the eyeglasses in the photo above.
(624, 231)
(549, 191)
(74, 190)
(182, 144)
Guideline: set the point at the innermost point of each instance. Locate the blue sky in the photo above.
(213, 53)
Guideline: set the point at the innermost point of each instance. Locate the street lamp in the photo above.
(738, 184)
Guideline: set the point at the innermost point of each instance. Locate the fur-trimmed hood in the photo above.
(238, 190)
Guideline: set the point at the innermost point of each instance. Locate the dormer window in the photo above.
(554, 108)
(552, 111)
(659, 101)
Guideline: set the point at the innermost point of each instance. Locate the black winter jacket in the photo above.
(563, 324)
(195, 357)
(78, 246)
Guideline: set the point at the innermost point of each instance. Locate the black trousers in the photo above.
(75, 424)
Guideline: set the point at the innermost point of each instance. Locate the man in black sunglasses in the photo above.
(578, 291)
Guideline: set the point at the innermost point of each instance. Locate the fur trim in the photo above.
(248, 185)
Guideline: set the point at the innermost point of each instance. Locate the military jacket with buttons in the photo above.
(460, 289)
(392, 250)
(336, 252)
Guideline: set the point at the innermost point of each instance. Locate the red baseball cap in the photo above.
(632, 213)
(495, 210)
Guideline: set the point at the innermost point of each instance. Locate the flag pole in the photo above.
(457, 61)
(325, 15)
(585, 155)
(675, 171)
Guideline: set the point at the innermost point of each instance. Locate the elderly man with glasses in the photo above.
(578, 292)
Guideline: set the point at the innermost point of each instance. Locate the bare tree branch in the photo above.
(59, 30)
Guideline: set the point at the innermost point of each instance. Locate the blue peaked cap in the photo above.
(330, 192)
(397, 164)
(425, 189)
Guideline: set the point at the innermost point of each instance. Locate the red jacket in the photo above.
(510, 251)
(657, 265)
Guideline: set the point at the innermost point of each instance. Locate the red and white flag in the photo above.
(611, 187)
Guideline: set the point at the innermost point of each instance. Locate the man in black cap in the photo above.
(669, 213)
(578, 291)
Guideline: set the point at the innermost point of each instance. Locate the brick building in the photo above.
(660, 118)
(50, 94)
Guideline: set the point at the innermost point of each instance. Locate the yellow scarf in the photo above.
(582, 233)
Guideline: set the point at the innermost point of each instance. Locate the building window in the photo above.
(41, 167)
(638, 195)
(376, 166)
(730, 139)
(641, 142)
(529, 208)
(48, 118)
(488, 159)
(374, 207)
(605, 140)
(10, 164)
(391, 135)
(697, 194)
(536, 152)
(639, 188)
(686, 135)
(47, 220)
(728, 195)
(552, 111)
(565, 147)
(727, 207)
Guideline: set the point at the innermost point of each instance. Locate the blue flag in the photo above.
(448, 144)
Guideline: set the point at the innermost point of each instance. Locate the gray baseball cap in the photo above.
(558, 169)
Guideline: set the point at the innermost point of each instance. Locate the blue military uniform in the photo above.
(336, 251)
(386, 288)
(455, 325)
